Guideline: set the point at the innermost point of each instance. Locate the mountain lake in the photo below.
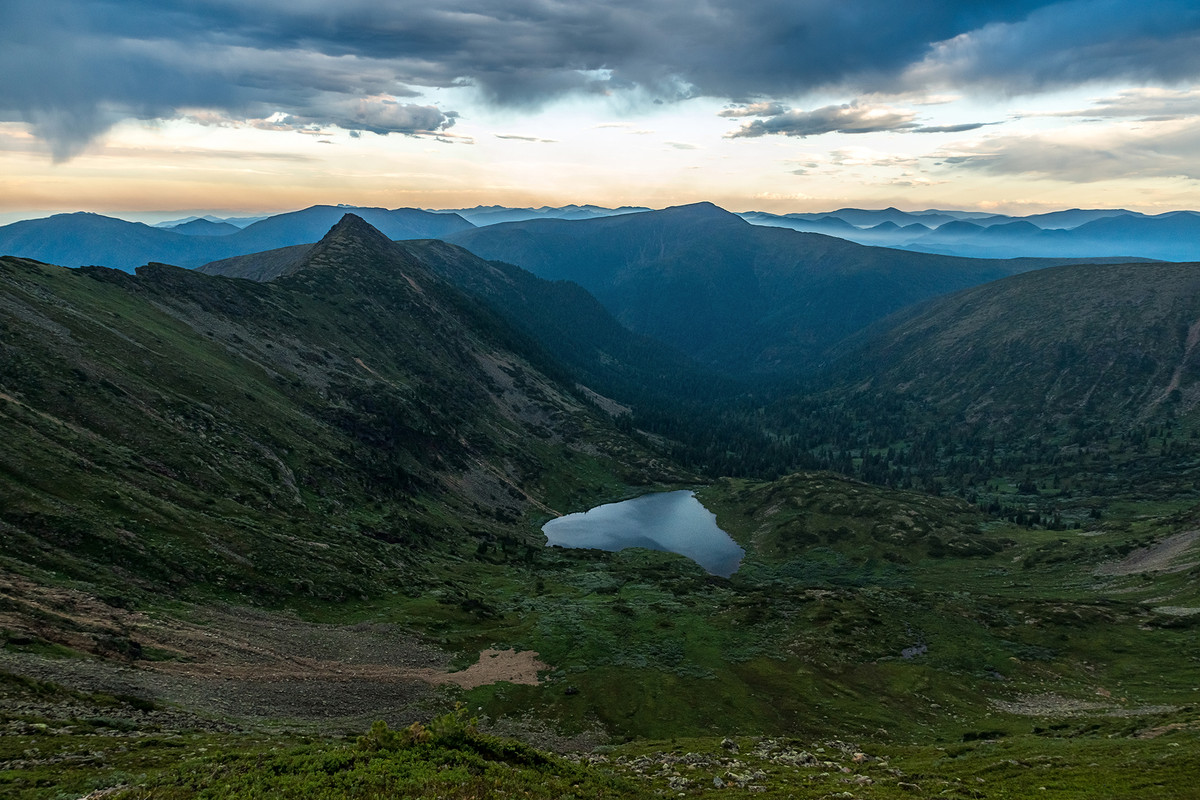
(674, 522)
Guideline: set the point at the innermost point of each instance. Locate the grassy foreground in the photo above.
(875, 644)
(450, 758)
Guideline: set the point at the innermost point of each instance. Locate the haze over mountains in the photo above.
(84, 239)
(1171, 236)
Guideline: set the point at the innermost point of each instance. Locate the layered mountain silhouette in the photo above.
(204, 227)
(81, 239)
(1076, 233)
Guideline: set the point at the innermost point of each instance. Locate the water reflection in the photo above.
(674, 522)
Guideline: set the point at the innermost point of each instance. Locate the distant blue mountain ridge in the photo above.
(83, 238)
(1075, 233)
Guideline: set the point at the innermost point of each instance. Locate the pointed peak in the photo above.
(702, 210)
(354, 226)
(352, 240)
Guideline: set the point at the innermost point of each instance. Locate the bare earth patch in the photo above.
(494, 666)
(243, 663)
(1161, 557)
(1054, 705)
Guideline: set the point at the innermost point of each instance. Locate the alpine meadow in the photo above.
(788, 399)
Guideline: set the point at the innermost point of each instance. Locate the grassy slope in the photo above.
(233, 439)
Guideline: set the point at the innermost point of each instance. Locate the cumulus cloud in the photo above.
(72, 68)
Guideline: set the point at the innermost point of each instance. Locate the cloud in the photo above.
(967, 126)
(381, 115)
(847, 118)
(1068, 44)
(1168, 150)
(116, 61)
(73, 68)
(770, 109)
(524, 138)
(852, 117)
(1152, 104)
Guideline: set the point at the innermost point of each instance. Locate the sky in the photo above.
(150, 109)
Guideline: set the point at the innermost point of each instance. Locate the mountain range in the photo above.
(78, 239)
(91, 239)
(1116, 233)
(734, 296)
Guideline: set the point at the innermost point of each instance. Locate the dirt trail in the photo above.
(1161, 557)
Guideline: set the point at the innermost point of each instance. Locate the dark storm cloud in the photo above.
(74, 67)
(1070, 43)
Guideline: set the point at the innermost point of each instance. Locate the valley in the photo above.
(272, 526)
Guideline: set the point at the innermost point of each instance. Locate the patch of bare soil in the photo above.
(1154, 733)
(1161, 557)
(494, 666)
(1054, 705)
(241, 663)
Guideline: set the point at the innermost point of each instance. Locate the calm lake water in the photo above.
(674, 522)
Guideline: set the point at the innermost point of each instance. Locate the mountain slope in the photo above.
(179, 431)
(204, 227)
(735, 296)
(568, 323)
(1061, 388)
(1117, 341)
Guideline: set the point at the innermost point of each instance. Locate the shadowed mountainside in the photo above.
(566, 321)
(741, 298)
(1113, 342)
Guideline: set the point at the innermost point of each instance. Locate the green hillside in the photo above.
(1060, 390)
(174, 429)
